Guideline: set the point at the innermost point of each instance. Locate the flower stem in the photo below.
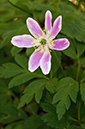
(71, 118)
(59, 64)
(78, 71)
(17, 6)
(79, 111)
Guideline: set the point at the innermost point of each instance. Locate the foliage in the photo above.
(33, 100)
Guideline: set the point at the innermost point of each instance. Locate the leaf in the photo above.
(11, 114)
(51, 117)
(20, 79)
(5, 93)
(34, 88)
(70, 51)
(82, 61)
(67, 89)
(10, 70)
(15, 50)
(51, 85)
(82, 91)
(55, 64)
(35, 122)
(22, 61)
(80, 48)
(74, 127)
(72, 25)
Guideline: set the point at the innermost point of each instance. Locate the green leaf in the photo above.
(67, 89)
(20, 79)
(51, 117)
(82, 91)
(51, 85)
(70, 51)
(55, 64)
(34, 88)
(22, 61)
(82, 61)
(15, 50)
(74, 27)
(10, 70)
(35, 122)
(74, 127)
(80, 48)
(11, 114)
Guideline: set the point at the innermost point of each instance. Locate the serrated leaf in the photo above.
(51, 117)
(35, 122)
(11, 113)
(51, 85)
(82, 61)
(70, 51)
(10, 70)
(74, 127)
(20, 79)
(22, 61)
(82, 91)
(72, 25)
(34, 88)
(15, 50)
(67, 88)
(55, 64)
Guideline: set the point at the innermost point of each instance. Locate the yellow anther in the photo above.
(36, 45)
(37, 41)
(32, 43)
(48, 34)
(35, 36)
(38, 34)
(44, 30)
(51, 34)
(50, 51)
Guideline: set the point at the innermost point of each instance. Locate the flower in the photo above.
(42, 41)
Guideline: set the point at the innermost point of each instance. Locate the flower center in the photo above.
(43, 41)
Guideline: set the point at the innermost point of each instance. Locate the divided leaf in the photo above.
(35, 122)
(51, 117)
(67, 89)
(10, 69)
(34, 88)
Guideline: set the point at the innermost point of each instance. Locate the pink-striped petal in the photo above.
(34, 27)
(61, 44)
(34, 61)
(22, 41)
(45, 63)
(48, 18)
(56, 27)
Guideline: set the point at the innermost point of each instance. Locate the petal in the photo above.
(56, 26)
(22, 41)
(48, 18)
(34, 61)
(45, 63)
(34, 28)
(61, 44)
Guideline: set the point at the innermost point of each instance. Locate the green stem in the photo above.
(71, 118)
(17, 7)
(79, 111)
(51, 74)
(78, 71)
(59, 63)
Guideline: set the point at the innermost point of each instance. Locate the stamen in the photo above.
(38, 34)
(35, 36)
(32, 43)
